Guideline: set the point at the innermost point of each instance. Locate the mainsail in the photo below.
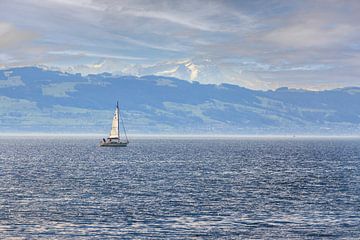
(114, 133)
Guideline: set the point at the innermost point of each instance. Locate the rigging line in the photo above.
(122, 121)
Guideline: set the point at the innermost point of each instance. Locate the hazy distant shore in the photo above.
(174, 136)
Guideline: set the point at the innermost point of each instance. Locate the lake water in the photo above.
(180, 188)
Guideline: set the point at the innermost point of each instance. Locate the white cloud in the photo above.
(258, 44)
(311, 34)
(92, 54)
(211, 16)
(11, 36)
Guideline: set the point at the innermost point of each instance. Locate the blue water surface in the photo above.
(61, 188)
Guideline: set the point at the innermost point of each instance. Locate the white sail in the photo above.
(115, 125)
(114, 137)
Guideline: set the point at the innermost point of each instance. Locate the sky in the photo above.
(255, 44)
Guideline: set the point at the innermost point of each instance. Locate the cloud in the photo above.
(10, 36)
(259, 44)
(197, 15)
(96, 55)
(311, 34)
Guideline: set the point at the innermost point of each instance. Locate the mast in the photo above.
(118, 113)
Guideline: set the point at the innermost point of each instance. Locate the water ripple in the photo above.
(176, 189)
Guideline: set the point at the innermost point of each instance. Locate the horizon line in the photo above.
(178, 136)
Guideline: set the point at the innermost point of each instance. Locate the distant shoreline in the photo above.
(179, 136)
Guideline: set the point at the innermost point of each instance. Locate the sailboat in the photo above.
(114, 138)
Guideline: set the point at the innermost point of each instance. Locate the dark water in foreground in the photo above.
(245, 188)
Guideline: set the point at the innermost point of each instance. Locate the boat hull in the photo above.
(113, 144)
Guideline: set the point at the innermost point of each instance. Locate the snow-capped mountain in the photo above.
(35, 99)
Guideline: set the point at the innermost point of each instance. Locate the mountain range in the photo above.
(34, 99)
